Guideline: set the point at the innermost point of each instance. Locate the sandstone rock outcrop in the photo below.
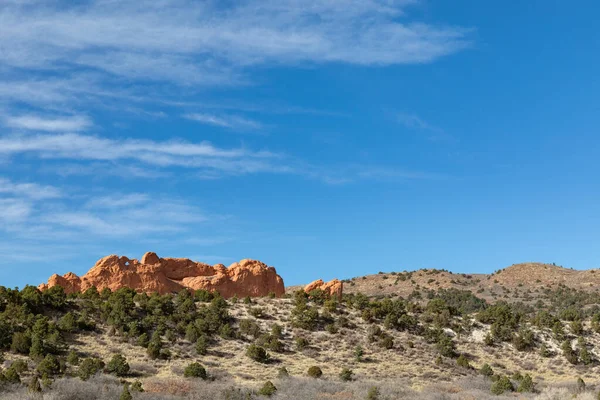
(333, 288)
(167, 275)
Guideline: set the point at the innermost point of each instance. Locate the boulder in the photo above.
(168, 275)
(333, 288)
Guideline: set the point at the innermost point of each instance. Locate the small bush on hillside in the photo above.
(445, 346)
(49, 366)
(195, 370)
(10, 375)
(34, 385)
(373, 393)
(387, 342)
(73, 358)
(202, 345)
(301, 343)
(268, 389)
(19, 365)
(89, 367)
(358, 353)
(283, 373)
(346, 374)
(257, 353)
(315, 372)
(125, 394)
(503, 384)
(118, 366)
(568, 352)
(486, 370)
(526, 385)
(524, 340)
(463, 362)
(137, 387)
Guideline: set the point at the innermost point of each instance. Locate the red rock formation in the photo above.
(167, 275)
(331, 288)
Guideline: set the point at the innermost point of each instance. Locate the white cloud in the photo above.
(13, 210)
(28, 190)
(37, 123)
(201, 155)
(224, 121)
(213, 43)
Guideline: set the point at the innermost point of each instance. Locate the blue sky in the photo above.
(326, 138)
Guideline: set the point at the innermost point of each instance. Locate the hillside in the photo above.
(443, 343)
(518, 282)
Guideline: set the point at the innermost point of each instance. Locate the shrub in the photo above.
(268, 389)
(73, 358)
(34, 385)
(21, 343)
(301, 343)
(331, 328)
(463, 362)
(277, 331)
(503, 384)
(568, 352)
(387, 342)
(195, 370)
(68, 323)
(526, 385)
(143, 340)
(125, 394)
(257, 312)
(19, 365)
(358, 353)
(445, 346)
(346, 374)
(315, 372)
(257, 353)
(154, 347)
(89, 367)
(249, 327)
(373, 393)
(576, 327)
(202, 345)
(11, 376)
(524, 340)
(283, 373)
(118, 366)
(486, 370)
(49, 366)
(544, 352)
(137, 387)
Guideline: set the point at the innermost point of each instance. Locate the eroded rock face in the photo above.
(333, 288)
(167, 275)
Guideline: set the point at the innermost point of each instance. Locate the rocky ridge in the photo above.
(167, 275)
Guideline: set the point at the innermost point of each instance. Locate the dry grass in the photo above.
(107, 388)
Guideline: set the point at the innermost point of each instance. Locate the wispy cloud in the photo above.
(50, 124)
(206, 160)
(28, 190)
(177, 153)
(14, 210)
(30, 216)
(415, 122)
(47, 230)
(203, 43)
(224, 121)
